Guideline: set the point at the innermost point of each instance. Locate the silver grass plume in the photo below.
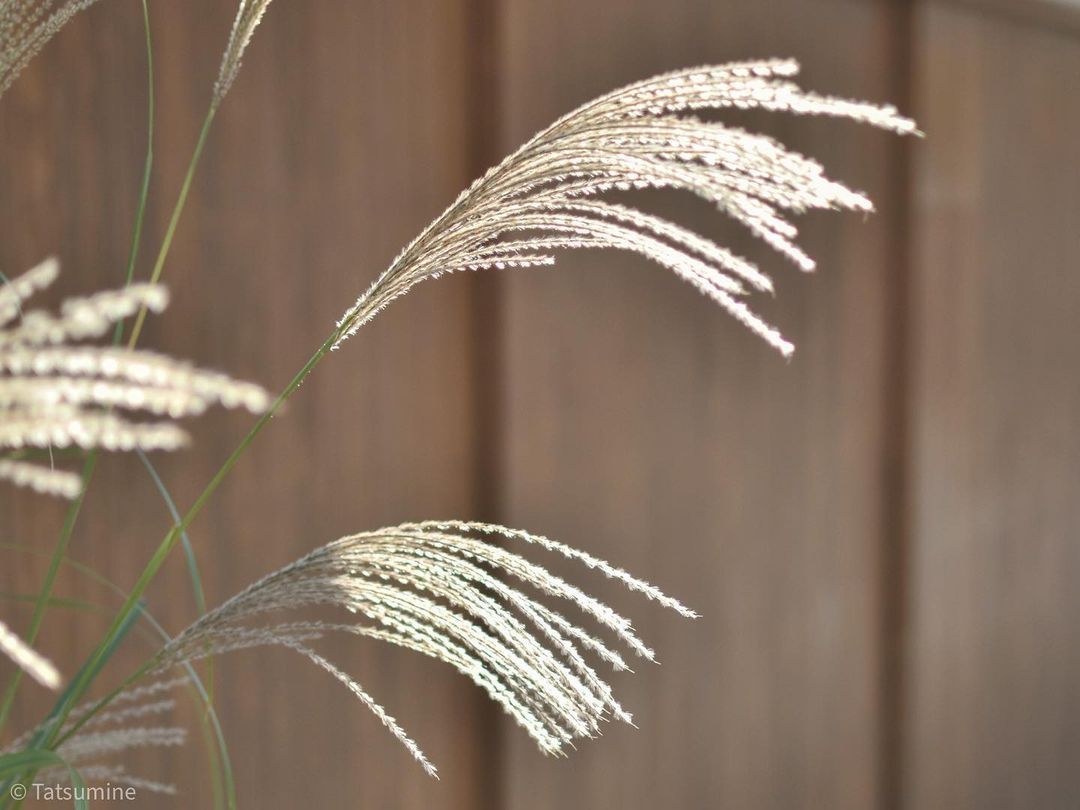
(55, 392)
(449, 590)
(116, 731)
(25, 27)
(29, 660)
(546, 196)
(85, 751)
(248, 16)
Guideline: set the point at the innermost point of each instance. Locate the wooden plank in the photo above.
(995, 651)
(344, 135)
(644, 426)
(1060, 15)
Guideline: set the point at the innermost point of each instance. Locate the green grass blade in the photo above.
(148, 164)
(11, 765)
(16, 763)
(88, 672)
(70, 604)
(46, 587)
(222, 769)
(214, 735)
(189, 552)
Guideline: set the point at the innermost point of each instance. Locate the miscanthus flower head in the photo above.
(454, 591)
(135, 720)
(57, 392)
(548, 196)
(25, 27)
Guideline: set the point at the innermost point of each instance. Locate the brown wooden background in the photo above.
(881, 535)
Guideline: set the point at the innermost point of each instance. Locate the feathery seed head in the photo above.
(446, 590)
(29, 660)
(25, 27)
(56, 393)
(248, 15)
(547, 196)
(116, 730)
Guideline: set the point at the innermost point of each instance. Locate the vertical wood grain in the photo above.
(343, 136)
(880, 535)
(994, 663)
(646, 427)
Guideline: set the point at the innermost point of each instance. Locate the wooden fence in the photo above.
(882, 535)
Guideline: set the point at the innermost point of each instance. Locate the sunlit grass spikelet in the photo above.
(29, 660)
(45, 480)
(90, 751)
(248, 16)
(25, 27)
(445, 589)
(117, 731)
(546, 196)
(55, 393)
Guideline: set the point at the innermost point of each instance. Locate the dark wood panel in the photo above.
(643, 425)
(611, 407)
(1062, 15)
(344, 134)
(995, 650)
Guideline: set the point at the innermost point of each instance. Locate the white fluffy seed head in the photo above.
(248, 16)
(547, 196)
(45, 480)
(25, 27)
(135, 720)
(453, 591)
(29, 660)
(57, 393)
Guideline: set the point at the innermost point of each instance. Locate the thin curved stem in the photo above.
(172, 537)
(45, 593)
(212, 731)
(174, 221)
